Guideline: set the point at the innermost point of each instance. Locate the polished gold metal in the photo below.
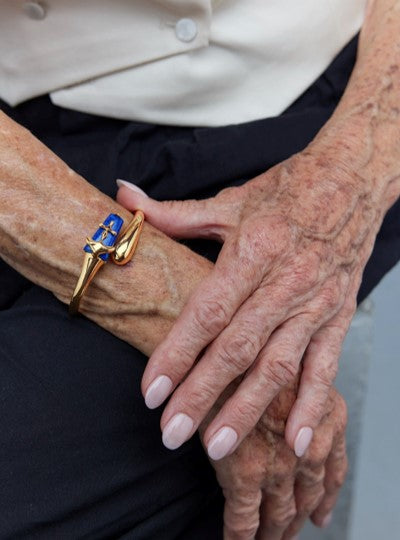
(121, 253)
(91, 265)
(126, 245)
(107, 229)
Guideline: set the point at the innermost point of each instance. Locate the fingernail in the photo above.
(222, 443)
(177, 431)
(327, 520)
(302, 441)
(130, 186)
(158, 391)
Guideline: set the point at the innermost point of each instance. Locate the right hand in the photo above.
(271, 493)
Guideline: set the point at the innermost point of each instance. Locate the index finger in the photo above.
(208, 311)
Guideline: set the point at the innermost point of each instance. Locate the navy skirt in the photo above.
(80, 455)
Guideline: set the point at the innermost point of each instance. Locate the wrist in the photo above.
(364, 145)
(47, 210)
(140, 302)
(364, 130)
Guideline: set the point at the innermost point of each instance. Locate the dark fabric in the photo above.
(80, 455)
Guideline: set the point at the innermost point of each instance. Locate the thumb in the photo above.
(181, 219)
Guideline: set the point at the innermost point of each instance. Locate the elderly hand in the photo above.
(295, 243)
(267, 489)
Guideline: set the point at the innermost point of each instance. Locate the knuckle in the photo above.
(315, 408)
(339, 454)
(311, 502)
(240, 530)
(196, 398)
(336, 483)
(239, 352)
(283, 515)
(341, 478)
(323, 376)
(211, 315)
(241, 514)
(179, 363)
(280, 371)
(338, 479)
(245, 414)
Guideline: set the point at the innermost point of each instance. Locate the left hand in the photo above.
(269, 493)
(295, 243)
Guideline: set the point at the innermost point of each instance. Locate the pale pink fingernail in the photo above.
(130, 186)
(222, 443)
(177, 431)
(302, 441)
(327, 520)
(158, 391)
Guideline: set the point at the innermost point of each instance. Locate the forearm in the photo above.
(47, 210)
(365, 127)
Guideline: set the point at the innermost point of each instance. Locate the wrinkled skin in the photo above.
(138, 303)
(269, 492)
(295, 243)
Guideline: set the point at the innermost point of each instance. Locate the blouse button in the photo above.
(186, 30)
(35, 10)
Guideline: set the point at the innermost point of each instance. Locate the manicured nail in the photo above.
(158, 391)
(131, 186)
(222, 443)
(177, 431)
(327, 520)
(302, 441)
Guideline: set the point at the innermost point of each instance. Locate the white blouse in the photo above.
(177, 62)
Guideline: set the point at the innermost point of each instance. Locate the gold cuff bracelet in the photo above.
(104, 244)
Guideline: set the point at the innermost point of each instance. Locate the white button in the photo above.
(35, 10)
(186, 30)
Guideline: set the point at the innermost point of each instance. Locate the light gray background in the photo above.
(376, 508)
(369, 379)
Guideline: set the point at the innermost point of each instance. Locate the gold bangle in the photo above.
(104, 244)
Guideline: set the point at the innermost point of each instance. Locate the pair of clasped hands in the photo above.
(262, 334)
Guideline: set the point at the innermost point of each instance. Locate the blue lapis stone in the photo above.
(107, 233)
